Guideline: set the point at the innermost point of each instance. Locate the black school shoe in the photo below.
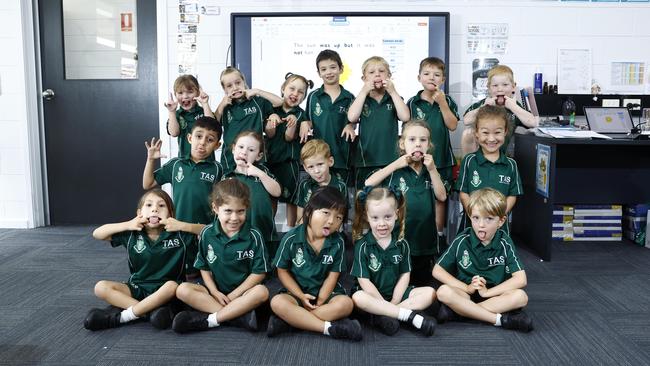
(162, 317)
(384, 324)
(445, 314)
(346, 329)
(98, 319)
(517, 320)
(247, 321)
(276, 326)
(190, 321)
(428, 324)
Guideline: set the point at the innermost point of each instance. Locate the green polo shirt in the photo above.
(307, 186)
(443, 154)
(279, 150)
(152, 263)
(186, 121)
(308, 268)
(477, 172)
(247, 114)
(328, 119)
(231, 260)
(421, 232)
(513, 121)
(192, 184)
(383, 267)
(377, 144)
(467, 257)
(260, 212)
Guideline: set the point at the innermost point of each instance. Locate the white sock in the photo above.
(404, 314)
(212, 320)
(498, 322)
(326, 328)
(127, 315)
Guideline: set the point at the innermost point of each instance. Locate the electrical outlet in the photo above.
(611, 103)
(633, 101)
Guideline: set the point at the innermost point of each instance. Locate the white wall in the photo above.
(613, 31)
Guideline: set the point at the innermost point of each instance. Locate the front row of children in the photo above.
(481, 275)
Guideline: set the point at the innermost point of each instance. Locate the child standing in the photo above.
(327, 109)
(439, 110)
(192, 176)
(501, 88)
(482, 276)
(309, 262)
(489, 166)
(377, 109)
(184, 110)
(247, 151)
(233, 262)
(317, 161)
(242, 109)
(416, 175)
(382, 264)
(282, 145)
(156, 262)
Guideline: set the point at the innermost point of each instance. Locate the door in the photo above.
(96, 124)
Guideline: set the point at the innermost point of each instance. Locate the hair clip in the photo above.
(288, 75)
(310, 84)
(396, 192)
(363, 194)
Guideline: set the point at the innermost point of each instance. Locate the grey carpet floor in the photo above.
(590, 305)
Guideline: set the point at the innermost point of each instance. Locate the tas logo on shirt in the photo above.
(419, 113)
(476, 180)
(318, 110)
(504, 179)
(211, 257)
(397, 258)
(171, 243)
(207, 176)
(366, 111)
(245, 254)
(327, 259)
(496, 261)
(374, 264)
(139, 245)
(465, 262)
(179, 174)
(229, 116)
(250, 110)
(307, 196)
(402, 185)
(389, 107)
(182, 122)
(299, 259)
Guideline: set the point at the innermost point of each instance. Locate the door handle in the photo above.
(48, 94)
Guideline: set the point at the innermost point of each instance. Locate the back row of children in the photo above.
(422, 182)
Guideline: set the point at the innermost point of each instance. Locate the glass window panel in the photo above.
(100, 39)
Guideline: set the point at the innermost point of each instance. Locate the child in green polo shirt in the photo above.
(309, 262)
(184, 110)
(501, 90)
(317, 161)
(247, 151)
(377, 108)
(157, 246)
(382, 264)
(489, 166)
(482, 276)
(282, 145)
(416, 175)
(440, 111)
(191, 177)
(233, 262)
(242, 109)
(327, 109)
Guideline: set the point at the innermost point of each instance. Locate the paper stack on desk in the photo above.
(570, 133)
(587, 223)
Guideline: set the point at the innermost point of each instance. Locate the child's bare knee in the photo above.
(444, 293)
(344, 304)
(359, 298)
(101, 288)
(521, 298)
(183, 291)
(260, 293)
(169, 288)
(278, 303)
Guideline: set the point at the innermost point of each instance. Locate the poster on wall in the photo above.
(542, 169)
(487, 38)
(574, 72)
(186, 52)
(480, 68)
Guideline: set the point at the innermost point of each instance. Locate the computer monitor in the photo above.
(609, 119)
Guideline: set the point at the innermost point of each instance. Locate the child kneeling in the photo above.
(310, 260)
(382, 264)
(482, 276)
(233, 261)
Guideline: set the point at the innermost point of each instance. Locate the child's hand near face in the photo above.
(153, 149)
(253, 171)
(171, 104)
(368, 86)
(389, 86)
(171, 224)
(203, 97)
(439, 96)
(428, 162)
(509, 102)
(226, 101)
(137, 223)
(291, 120)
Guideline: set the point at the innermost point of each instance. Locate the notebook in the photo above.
(615, 122)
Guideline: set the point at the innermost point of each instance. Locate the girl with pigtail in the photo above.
(382, 264)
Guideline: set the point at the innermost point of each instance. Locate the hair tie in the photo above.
(310, 84)
(363, 194)
(396, 192)
(288, 75)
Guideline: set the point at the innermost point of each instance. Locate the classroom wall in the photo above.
(15, 186)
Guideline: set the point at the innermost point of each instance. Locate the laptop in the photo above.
(615, 122)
